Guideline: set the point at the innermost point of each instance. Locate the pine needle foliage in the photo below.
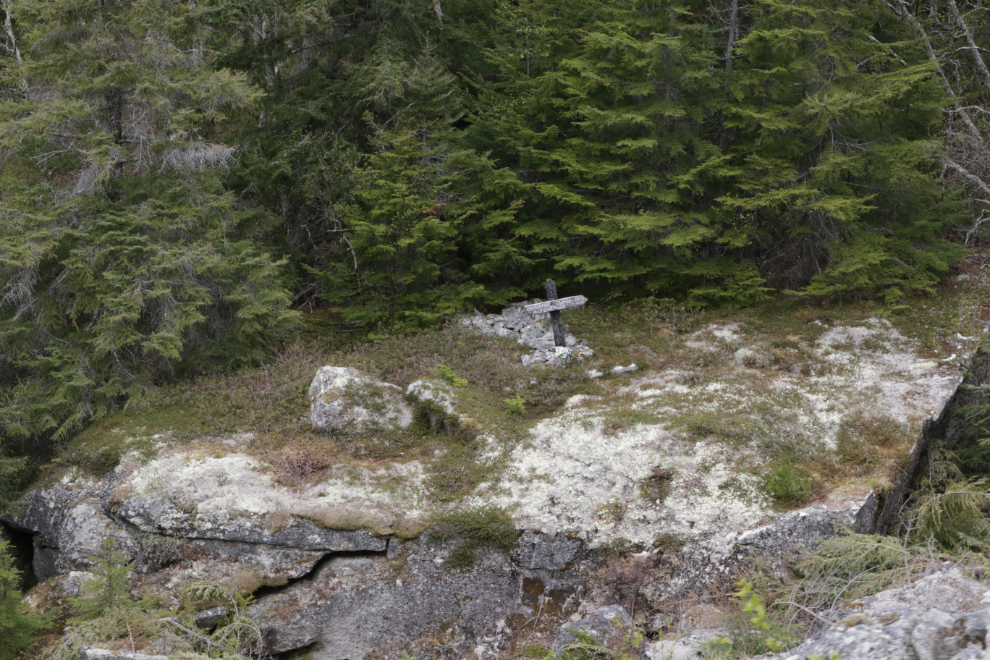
(122, 257)
(110, 589)
(17, 627)
(856, 566)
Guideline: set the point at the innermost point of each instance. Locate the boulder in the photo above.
(343, 398)
(68, 528)
(926, 620)
(435, 400)
(606, 625)
(355, 605)
(688, 647)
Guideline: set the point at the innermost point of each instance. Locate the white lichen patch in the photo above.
(214, 490)
(574, 477)
(711, 432)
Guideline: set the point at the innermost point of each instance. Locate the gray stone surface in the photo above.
(688, 647)
(162, 516)
(342, 398)
(353, 605)
(929, 633)
(606, 625)
(208, 619)
(547, 551)
(930, 619)
(68, 528)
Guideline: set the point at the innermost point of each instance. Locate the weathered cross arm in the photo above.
(555, 305)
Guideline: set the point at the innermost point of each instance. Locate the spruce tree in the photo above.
(122, 257)
(17, 627)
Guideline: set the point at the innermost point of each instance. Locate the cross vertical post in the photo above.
(559, 338)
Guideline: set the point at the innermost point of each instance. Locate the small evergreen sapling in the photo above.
(16, 626)
(109, 590)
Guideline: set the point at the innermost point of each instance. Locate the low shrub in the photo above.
(488, 526)
(787, 484)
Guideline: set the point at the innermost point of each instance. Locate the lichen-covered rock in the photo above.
(606, 625)
(547, 551)
(341, 397)
(926, 620)
(688, 647)
(68, 528)
(435, 401)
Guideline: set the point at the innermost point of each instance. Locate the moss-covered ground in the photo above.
(270, 401)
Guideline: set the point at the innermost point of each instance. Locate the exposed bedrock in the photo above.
(645, 491)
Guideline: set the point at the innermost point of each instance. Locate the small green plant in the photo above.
(109, 589)
(516, 404)
(750, 603)
(616, 549)
(488, 526)
(753, 631)
(447, 375)
(657, 485)
(787, 484)
(16, 626)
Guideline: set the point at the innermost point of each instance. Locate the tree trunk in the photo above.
(973, 48)
(733, 34)
(8, 27)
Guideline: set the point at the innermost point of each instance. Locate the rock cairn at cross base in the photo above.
(529, 330)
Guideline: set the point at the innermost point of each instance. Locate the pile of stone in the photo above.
(531, 330)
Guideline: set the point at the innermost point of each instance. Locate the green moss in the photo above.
(487, 526)
(669, 543)
(787, 483)
(456, 474)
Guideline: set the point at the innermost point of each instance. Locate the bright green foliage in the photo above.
(843, 148)
(636, 164)
(448, 375)
(516, 404)
(16, 626)
(172, 174)
(403, 271)
(122, 257)
(787, 484)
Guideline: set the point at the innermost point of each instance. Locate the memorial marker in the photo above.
(554, 305)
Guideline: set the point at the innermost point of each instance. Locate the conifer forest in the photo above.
(181, 182)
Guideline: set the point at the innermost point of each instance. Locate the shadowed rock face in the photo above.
(352, 606)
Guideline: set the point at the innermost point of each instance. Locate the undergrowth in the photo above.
(106, 613)
(487, 526)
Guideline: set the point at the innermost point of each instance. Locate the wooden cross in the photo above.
(553, 305)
